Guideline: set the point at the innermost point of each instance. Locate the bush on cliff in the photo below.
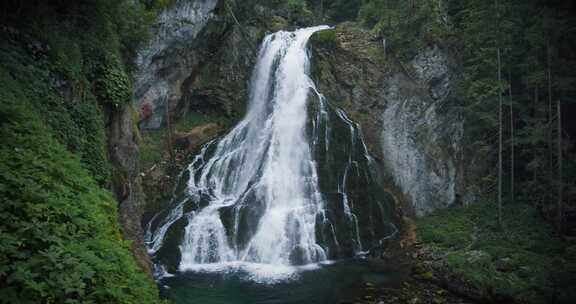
(59, 241)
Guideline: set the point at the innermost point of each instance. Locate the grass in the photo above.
(541, 265)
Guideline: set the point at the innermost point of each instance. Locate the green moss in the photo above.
(152, 147)
(539, 262)
(327, 36)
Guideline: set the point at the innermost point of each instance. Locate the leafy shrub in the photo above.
(541, 264)
(112, 83)
(297, 5)
(59, 242)
(408, 26)
(61, 66)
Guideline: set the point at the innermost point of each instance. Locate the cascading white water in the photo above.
(267, 158)
(255, 198)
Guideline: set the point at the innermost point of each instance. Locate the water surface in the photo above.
(328, 283)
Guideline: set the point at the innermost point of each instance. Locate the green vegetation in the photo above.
(335, 10)
(112, 83)
(78, 49)
(77, 125)
(154, 145)
(194, 119)
(407, 26)
(517, 84)
(62, 73)
(297, 5)
(522, 260)
(59, 241)
(326, 36)
(517, 81)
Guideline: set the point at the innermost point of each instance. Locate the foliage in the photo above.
(539, 262)
(533, 39)
(296, 5)
(325, 36)
(408, 26)
(154, 143)
(63, 68)
(112, 83)
(335, 10)
(59, 240)
(152, 147)
(78, 125)
(72, 54)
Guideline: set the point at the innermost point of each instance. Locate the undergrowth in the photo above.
(154, 143)
(63, 70)
(539, 267)
(59, 241)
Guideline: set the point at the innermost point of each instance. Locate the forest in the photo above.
(121, 120)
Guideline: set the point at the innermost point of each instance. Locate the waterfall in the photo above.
(256, 196)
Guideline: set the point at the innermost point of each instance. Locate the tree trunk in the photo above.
(536, 154)
(512, 143)
(550, 113)
(499, 142)
(499, 119)
(560, 173)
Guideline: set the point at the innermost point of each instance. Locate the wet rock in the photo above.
(504, 265)
(298, 256)
(408, 116)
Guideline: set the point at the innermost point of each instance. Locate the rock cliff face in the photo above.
(408, 113)
(202, 57)
(421, 136)
(123, 152)
(169, 58)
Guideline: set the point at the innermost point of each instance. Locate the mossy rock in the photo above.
(326, 37)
